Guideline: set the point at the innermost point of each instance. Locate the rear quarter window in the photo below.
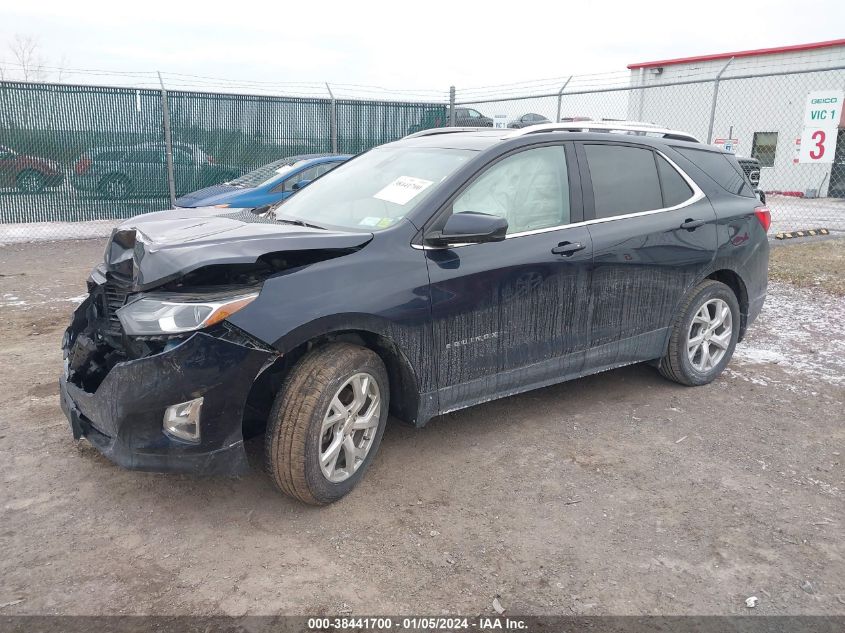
(721, 168)
(675, 188)
(624, 179)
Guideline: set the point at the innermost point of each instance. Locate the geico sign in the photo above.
(828, 100)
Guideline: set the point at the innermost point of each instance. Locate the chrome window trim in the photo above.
(697, 195)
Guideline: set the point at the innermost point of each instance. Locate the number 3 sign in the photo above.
(817, 145)
(822, 113)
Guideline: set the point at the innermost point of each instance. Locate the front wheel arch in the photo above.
(402, 379)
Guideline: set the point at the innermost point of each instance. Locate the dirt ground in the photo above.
(620, 493)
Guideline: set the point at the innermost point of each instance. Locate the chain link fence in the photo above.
(75, 159)
(756, 116)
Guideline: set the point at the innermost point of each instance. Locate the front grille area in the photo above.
(114, 297)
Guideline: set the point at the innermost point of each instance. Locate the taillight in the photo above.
(765, 216)
(82, 165)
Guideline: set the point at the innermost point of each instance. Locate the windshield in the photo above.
(375, 190)
(265, 173)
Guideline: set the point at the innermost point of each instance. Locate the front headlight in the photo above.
(154, 315)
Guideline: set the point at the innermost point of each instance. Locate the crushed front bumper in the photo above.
(123, 417)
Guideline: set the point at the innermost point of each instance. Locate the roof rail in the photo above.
(446, 130)
(619, 127)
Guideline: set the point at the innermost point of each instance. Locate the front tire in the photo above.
(327, 422)
(704, 335)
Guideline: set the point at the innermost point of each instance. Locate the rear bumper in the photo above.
(123, 417)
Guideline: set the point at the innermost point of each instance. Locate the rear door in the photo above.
(654, 233)
(512, 315)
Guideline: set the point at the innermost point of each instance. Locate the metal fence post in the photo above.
(168, 143)
(451, 106)
(333, 121)
(715, 98)
(560, 97)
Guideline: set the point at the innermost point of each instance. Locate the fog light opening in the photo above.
(182, 421)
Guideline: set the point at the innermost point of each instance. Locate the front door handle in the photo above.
(690, 224)
(568, 248)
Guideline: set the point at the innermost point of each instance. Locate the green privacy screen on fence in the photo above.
(71, 153)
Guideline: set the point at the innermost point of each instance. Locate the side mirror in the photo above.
(299, 185)
(469, 228)
(761, 195)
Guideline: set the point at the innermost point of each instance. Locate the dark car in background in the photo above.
(123, 171)
(439, 117)
(28, 174)
(268, 184)
(427, 275)
(751, 167)
(528, 119)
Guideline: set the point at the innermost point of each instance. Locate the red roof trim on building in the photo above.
(759, 51)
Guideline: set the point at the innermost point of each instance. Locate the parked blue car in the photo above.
(268, 184)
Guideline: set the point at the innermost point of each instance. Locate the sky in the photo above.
(417, 47)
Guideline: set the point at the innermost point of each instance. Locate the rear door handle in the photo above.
(690, 224)
(568, 248)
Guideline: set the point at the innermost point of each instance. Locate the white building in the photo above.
(763, 115)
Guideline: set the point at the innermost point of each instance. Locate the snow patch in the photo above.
(801, 330)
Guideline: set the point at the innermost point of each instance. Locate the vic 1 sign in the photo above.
(823, 109)
(818, 145)
(822, 114)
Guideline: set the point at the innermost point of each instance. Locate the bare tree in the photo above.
(24, 61)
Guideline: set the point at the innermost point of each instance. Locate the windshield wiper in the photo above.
(299, 223)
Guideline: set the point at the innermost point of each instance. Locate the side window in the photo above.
(182, 157)
(530, 190)
(474, 114)
(721, 168)
(763, 148)
(110, 156)
(306, 174)
(146, 156)
(675, 188)
(624, 179)
(461, 113)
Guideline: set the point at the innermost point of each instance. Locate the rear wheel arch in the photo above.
(404, 391)
(734, 281)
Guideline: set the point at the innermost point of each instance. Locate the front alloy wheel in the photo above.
(349, 427)
(327, 421)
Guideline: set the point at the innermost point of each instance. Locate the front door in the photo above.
(653, 234)
(512, 315)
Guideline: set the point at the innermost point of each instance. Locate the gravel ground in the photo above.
(620, 493)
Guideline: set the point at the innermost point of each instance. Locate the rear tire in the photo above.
(327, 422)
(31, 181)
(704, 335)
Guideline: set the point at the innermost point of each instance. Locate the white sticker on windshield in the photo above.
(403, 189)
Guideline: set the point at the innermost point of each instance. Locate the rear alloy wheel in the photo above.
(704, 335)
(115, 187)
(327, 422)
(30, 181)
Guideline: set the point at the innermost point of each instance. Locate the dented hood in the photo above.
(155, 248)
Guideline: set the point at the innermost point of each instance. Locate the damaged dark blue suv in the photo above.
(446, 269)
